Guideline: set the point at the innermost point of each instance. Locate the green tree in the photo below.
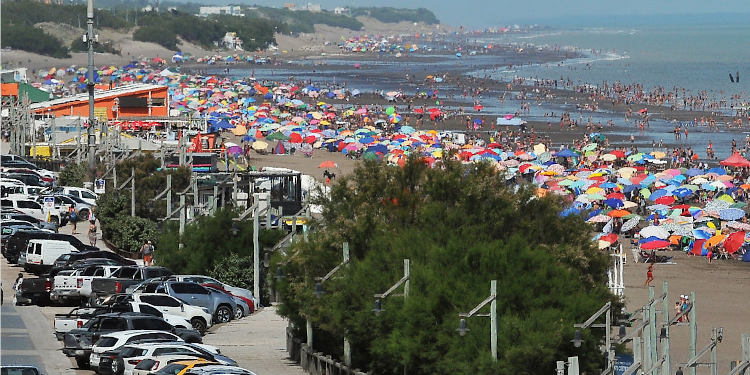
(73, 175)
(461, 227)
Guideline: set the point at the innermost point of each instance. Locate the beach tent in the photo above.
(279, 149)
(736, 160)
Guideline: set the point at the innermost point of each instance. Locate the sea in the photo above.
(697, 58)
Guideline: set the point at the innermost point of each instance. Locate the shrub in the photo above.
(73, 175)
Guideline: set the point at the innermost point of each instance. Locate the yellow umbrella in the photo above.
(726, 198)
(715, 240)
(539, 148)
(239, 130)
(259, 145)
(658, 154)
(594, 190)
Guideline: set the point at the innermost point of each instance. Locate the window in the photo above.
(188, 288)
(38, 250)
(87, 195)
(165, 301)
(146, 309)
(151, 323)
(151, 337)
(129, 352)
(173, 350)
(99, 272)
(91, 271)
(29, 205)
(106, 342)
(172, 369)
(6, 203)
(113, 324)
(126, 272)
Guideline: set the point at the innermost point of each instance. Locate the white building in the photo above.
(315, 8)
(232, 10)
(340, 10)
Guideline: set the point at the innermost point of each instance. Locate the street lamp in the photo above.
(492, 300)
(607, 326)
(404, 280)
(577, 340)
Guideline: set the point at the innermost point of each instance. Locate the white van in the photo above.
(41, 254)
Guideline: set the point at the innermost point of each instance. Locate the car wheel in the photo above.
(223, 314)
(82, 362)
(239, 313)
(83, 215)
(199, 325)
(55, 220)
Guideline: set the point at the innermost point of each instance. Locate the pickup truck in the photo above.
(78, 317)
(77, 285)
(122, 279)
(78, 342)
(34, 291)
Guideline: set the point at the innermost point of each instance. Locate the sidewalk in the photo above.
(257, 342)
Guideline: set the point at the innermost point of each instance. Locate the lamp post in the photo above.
(89, 38)
(492, 300)
(404, 280)
(319, 291)
(608, 340)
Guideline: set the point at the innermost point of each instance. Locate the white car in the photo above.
(220, 370)
(199, 317)
(87, 195)
(132, 354)
(169, 364)
(115, 340)
(174, 320)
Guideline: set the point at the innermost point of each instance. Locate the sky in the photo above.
(482, 13)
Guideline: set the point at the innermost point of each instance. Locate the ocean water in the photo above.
(696, 58)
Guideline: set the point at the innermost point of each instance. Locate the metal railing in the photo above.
(315, 363)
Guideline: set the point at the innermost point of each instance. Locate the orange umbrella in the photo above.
(715, 240)
(618, 213)
(327, 164)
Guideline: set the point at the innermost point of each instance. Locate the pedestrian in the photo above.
(679, 371)
(649, 275)
(147, 251)
(92, 232)
(73, 216)
(17, 287)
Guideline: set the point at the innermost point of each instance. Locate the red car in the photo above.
(248, 301)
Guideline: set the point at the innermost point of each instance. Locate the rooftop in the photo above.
(98, 94)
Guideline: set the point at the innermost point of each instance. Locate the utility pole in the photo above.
(132, 191)
(89, 39)
(693, 332)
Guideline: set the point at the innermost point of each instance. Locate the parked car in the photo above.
(123, 278)
(34, 291)
(117, 339)
(247, 301)
(87, 195)
(243, 308)
(20, 191)
(202, 279)
(28, 179)
(19, 241)
(76, 318)
(200, 317)
(40, 224)
(219, 370)
(33, 209)
(123, 360)
(221, 306)
(77, 285)
(63, 203)
(77, 260)
(170, 365)
(19, 370)
(78, 342)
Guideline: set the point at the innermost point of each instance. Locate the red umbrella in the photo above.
(611, 238)
(618, 153)
(736, 160)
(667, 200)
(734, 242)
(478, 107)
(328, 164)
(656, 244)
(295, 138)
(619, 196)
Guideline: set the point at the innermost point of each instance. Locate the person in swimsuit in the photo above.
(649, 275)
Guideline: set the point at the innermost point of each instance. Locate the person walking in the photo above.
(73, 216)
(147, 251)
(92, 232)
(649, 275)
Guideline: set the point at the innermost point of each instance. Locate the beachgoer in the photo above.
(147, 251)
(92, 232)
(649, 275)
(678, 310)
(17, 287)
(679, 371)
(73, 216)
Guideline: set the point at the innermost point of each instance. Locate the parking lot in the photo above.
(256, 342)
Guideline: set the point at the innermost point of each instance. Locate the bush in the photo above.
(158, 34)
(29, 38)
(128, 233)
(73, 175)
(395, 15)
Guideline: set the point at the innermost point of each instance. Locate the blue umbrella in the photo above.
(658, 194)
(692, 172)
(649, 239)
(701, 234)
(630, 188)
(683, 192)
(718, 170)
(565, 153)
(614, 203)
(607, 185)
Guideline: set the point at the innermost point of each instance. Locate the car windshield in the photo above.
(171, 369)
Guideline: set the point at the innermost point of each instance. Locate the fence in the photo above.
(315, 363)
